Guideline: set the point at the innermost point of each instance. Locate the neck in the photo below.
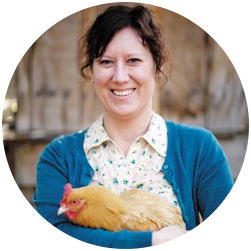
(125, 130)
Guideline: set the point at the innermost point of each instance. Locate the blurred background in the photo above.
(47, 96)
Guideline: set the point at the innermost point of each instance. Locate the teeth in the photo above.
(123, 93)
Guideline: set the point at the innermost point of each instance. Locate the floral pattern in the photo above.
(140, 168)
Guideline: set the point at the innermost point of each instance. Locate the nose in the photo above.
(120, 74)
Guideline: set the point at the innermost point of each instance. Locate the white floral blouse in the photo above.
(140, 168)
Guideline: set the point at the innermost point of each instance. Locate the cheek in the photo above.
(101, 81)
(148, 80)
(100, 76)
(147, 73)
(100, 88)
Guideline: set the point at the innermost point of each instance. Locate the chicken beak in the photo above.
(62, 210)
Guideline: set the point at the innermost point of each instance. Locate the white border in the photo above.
(22, 22)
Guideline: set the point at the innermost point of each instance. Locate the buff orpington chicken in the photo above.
(136, 210)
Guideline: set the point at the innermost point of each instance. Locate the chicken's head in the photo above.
(71, 204)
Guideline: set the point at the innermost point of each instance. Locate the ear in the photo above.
(161, 77)
(89, 73)
(158, 75)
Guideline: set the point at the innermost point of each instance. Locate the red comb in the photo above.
(67, 191)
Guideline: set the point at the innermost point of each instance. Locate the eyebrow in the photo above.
(129, 55)
(135, 54)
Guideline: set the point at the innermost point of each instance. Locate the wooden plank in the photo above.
(55, 93)
(23, 119)
(226, 108)
(183, 99)
(25, 159)
(90, 105)
(235, 150)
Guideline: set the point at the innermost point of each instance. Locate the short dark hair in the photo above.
(112, 20)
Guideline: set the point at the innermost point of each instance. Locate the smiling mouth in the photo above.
(123, 93)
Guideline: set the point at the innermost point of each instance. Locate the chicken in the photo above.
(99, 207)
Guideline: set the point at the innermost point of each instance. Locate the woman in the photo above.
(130, 146)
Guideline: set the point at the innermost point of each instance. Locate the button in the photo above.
(186, 218)
(165, 167)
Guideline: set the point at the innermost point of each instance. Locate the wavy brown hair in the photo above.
(112, 20)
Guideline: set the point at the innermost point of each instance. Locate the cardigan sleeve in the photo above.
(52, 174)
(214, 179)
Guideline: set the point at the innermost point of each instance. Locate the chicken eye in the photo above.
(74, 201)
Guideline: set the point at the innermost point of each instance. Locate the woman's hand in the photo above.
(167, 234)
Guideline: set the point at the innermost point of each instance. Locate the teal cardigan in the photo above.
(195, 166)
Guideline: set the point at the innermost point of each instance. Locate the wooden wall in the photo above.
(204, 89)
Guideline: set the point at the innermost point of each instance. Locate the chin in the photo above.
(124, 114)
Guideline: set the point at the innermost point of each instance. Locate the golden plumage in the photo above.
(137, 210)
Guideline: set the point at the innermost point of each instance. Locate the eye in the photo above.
(134, 60)
(74, 201)
(105, 62)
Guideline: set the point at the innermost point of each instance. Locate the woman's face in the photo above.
(124, 77)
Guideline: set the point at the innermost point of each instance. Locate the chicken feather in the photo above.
(149, 211)
(137, 210)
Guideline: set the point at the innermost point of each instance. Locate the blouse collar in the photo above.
(155, 136)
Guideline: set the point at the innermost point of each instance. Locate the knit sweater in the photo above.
(195, 166)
